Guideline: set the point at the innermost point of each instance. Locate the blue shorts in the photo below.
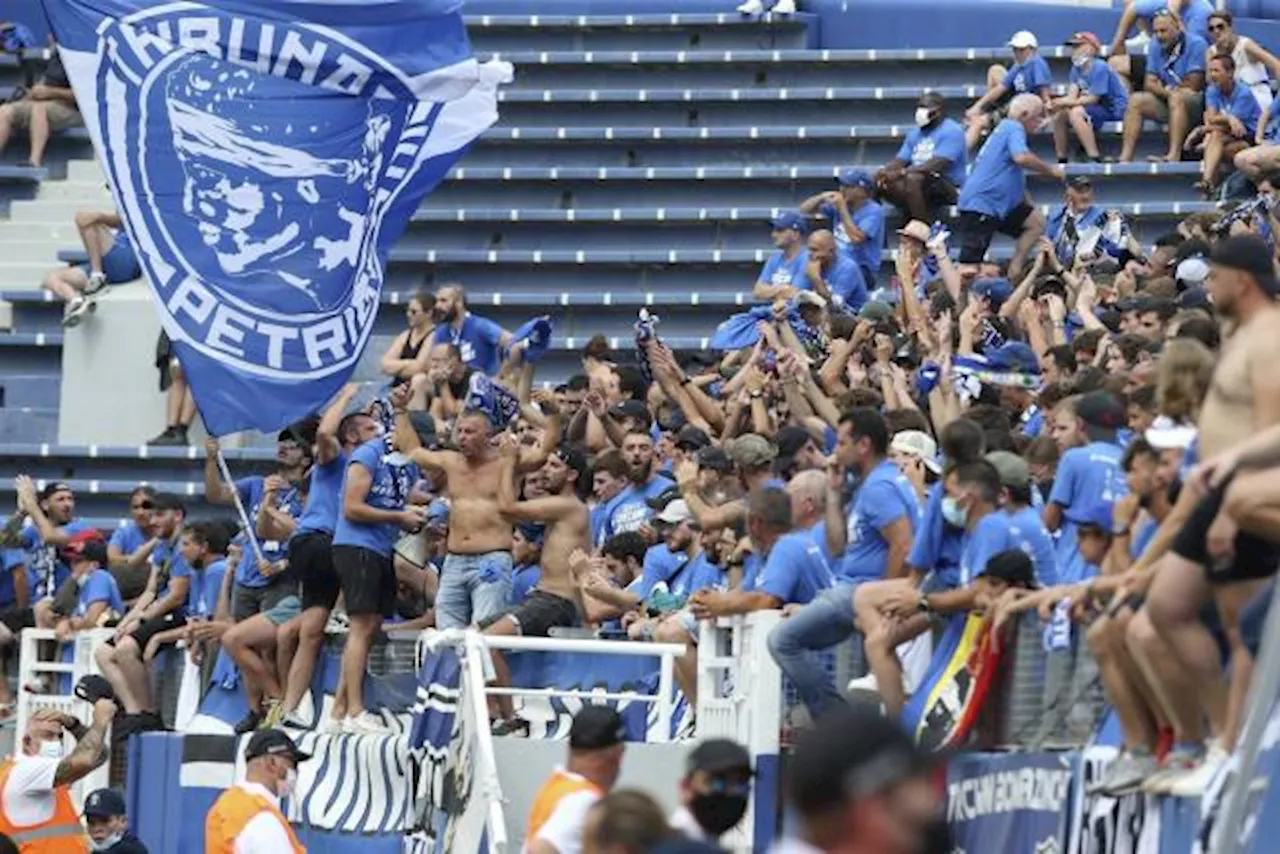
(1100, 115)
(119, 265)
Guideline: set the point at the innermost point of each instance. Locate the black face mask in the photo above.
(936, 838)
(718, 814)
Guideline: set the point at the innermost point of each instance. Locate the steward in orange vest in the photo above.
(247, 817)
(36, 811)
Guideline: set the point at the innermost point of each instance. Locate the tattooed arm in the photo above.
(91, 748)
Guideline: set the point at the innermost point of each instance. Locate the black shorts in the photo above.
(17, 619)
(311, 558)
(247, 602)
(368, 580)
(977, 229)
(539, 613)
(148, 629)
(1138, 71)
(1254, 557)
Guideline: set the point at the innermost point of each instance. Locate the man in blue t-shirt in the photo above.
(872, 539)
(928, 170)
(857, 220)
(479, 340)
(630, 510)
(995, 197)
(1173, 90)
(833, 275)
(98, 601)
(1231, 118)
(783, 271)
(1095, 95)
(1194, 15)
(1029, 75)
(161, 608)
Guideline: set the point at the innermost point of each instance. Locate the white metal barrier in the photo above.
(32, 668)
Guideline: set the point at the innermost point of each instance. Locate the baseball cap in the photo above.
(631, 409)
(790, 219)
(104, 803)
(916, 230)
(676, 512)
(1194, 297)
(167, 501)
(438, 512)
(1102, 414)
(791, 439)
(1249, 254)
(807, 298)
(1080, 182)
(751, 450)
(1097, 514)
(87, 545)
(273, 742)
(662, 499)
(716, 756)
(532, 532)
(595, 728)
(1014, 356)
(1166, 434)
(856, 177)
(876, 310)
(995, 290)
(1013, 469)
(52, 488)
(918, 444)
(852, 752)
(1191, 271)
(1023, 38)
(692, 438)
(715, 459)
(1013, 566)
(1082, 37)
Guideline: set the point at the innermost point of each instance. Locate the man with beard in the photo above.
(832, 275)
(556, 600)
(632, 509)
(479, 340)
(929, 168)
(475, 580)
(1211, 559)
(752, 455)
(1173, 90)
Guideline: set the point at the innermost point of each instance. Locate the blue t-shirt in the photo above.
(847, 282)
(946, 140)
(524, 578)
(11, 561)
(795, 570)
(178, 568)
(99, 586)
(1030, 76)
(46, 570)
(997, 184)
(777, 270)
(1183, 58)
(1098, 78)
(629, 510)
(250, 489)
(389, 490)
(1272, 131)
(128, 538)
(325, 494)
(884, 497)
(937, 546)
(1142, 536)
(987, 539)
(479, 341)
(206, 584)
(1241, 104)
(1195, 13)
(1085, 476)
(869, 218)
(660, 565)
(1027, 532)
(697, 574)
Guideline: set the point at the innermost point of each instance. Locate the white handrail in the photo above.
(583, 646)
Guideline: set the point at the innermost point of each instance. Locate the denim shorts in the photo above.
(473, 588)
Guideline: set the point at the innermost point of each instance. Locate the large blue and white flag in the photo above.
(265, 155)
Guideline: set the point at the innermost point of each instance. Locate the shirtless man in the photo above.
(556, 601)
(475, 581)
(1211, 559)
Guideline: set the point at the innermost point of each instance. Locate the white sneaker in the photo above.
(1192, 784)
(97, 281)
(863, 683)
(74, 311)
(751, 7)
(365, 723)
(784, 7)
(333, 726)
(1137, 44)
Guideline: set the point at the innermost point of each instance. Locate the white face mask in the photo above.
(1080, 60)
(52, 749)
(289, 784)
(923, 114)
(106, 843)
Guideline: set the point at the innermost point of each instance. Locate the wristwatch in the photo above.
(923, 605)
(756, 394)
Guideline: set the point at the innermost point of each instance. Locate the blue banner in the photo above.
(265, 156)
(1012, 802)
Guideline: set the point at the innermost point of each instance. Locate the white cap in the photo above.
(676, 512)
(810, 298)
(1024, 38)
(1192, 270)
(918, 444)
(1165, 434)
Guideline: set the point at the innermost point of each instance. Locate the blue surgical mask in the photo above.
(952, 512)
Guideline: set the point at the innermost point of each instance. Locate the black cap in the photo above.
(1249, 254)
(715, 459)
(718, 756)
(852, 752)
(1102, 414)
(273, 742)
(691, 438)
(1080, 182)
(791, 439)
(52, 488)
(104, 803)
(595, 728)
(1013, 566)
(660, 501)
(631, 409)
(167, 501)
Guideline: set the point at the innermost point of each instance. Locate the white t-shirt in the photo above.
(264, 834)
(564, 827)
(28, 793)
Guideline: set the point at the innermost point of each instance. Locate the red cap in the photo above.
(1084, 38)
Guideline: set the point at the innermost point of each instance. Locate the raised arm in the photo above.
(215, 490)
(91, 748)
(327, 445)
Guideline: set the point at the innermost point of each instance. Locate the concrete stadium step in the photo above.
(183, 465)
(31, 353)
(25, 230)
(85, 192)
(38, 391)
(28, 252)
(27, 424)
(638, 32)
(25, 275)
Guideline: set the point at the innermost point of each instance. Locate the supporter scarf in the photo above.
(537, 332)
(646, 330)
(497, 403)
(738, 331)
(970, 373)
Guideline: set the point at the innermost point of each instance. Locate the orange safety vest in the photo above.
(559, 786)
(232, 812)
(62, 833)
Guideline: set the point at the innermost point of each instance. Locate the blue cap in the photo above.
(104, 803)
(1014, 356)
(790, 219)
(532, 533)
(1097, 515)
(995, 290)
(855, 177)
(438, 512)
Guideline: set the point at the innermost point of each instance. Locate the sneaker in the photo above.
(516, 727)
(293, 720)
(784, 7)
(171, 437)
(1178, 762)
(249, 722)
(863, 683)
(151, 722)
(97, 281)
(1192, 783)
(74, 312)
(365, 723)
(333, 726)
(1125, 775)
(751, 7)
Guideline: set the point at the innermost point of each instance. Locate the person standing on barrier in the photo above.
(247, 819)
(108, 824)
(36, 810)
(558, 817)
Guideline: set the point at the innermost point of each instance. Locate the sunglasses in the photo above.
(1217, 28)
(143, 505)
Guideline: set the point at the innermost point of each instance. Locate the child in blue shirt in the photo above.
(1231, 118)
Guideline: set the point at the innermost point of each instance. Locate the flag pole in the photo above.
(244, 516)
